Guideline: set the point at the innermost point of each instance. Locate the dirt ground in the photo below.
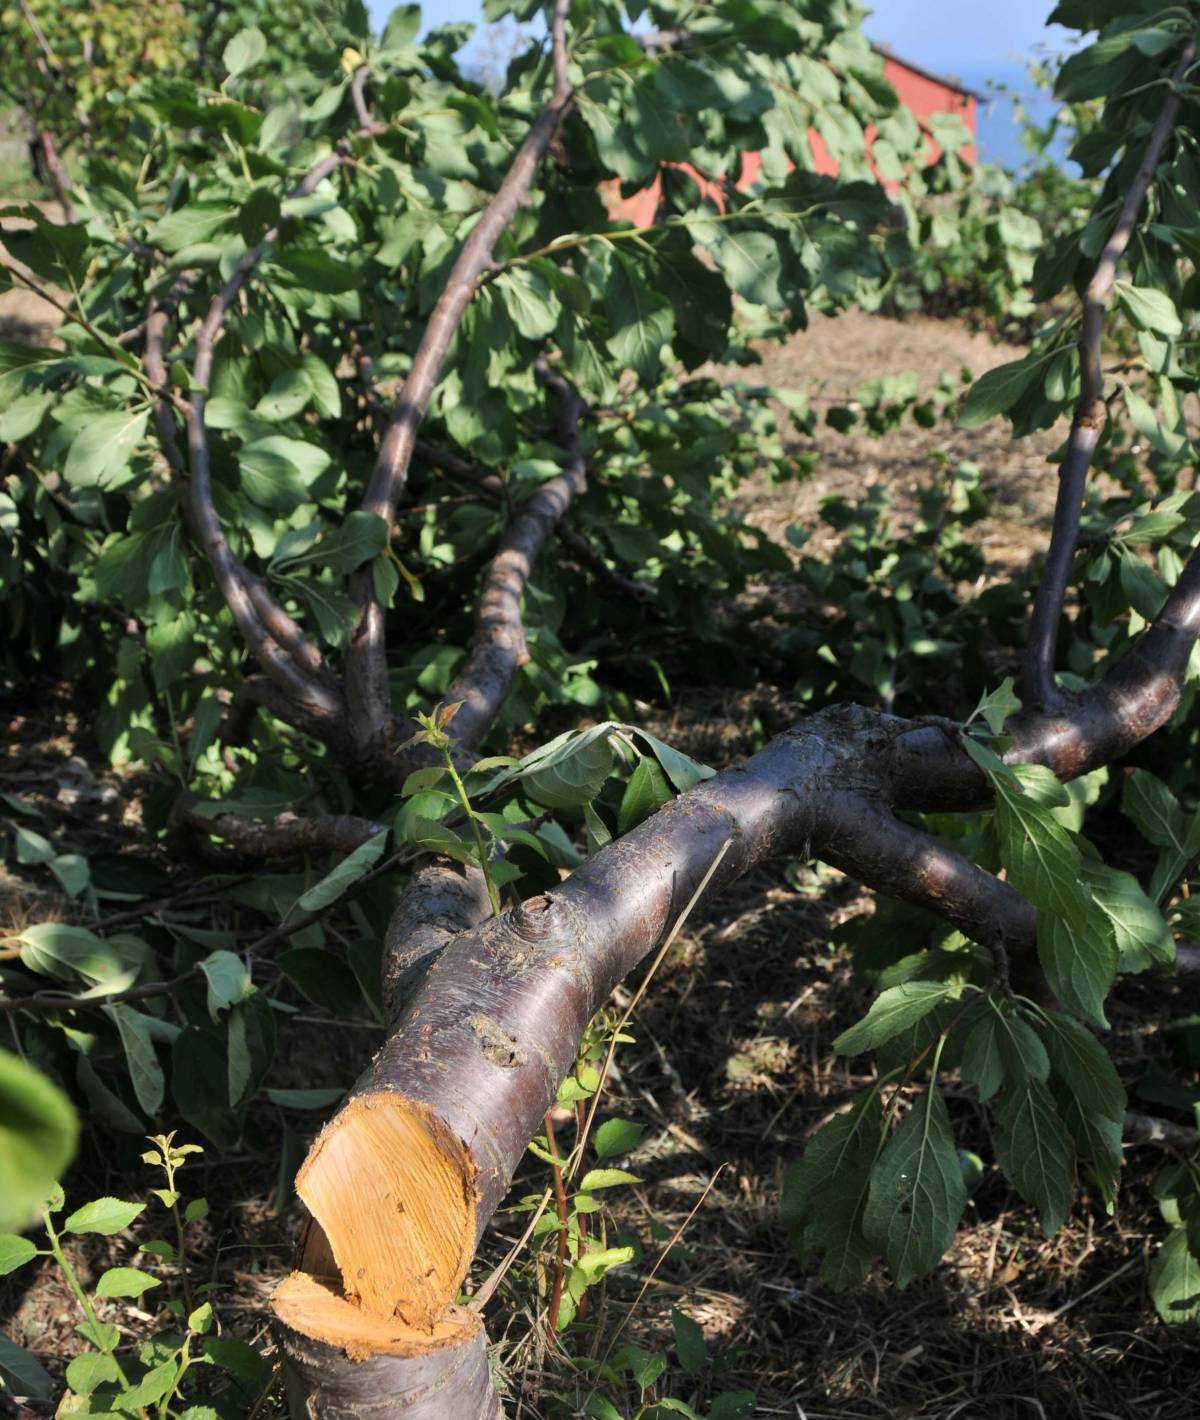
(731, 1068)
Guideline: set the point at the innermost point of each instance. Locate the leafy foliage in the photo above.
(331, 176)
(168, 1367)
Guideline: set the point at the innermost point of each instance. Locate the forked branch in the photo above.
(443, 1114)
(1091, 412)
(366, 670)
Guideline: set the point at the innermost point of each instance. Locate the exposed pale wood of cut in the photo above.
(315, 1309)
(393, 1191)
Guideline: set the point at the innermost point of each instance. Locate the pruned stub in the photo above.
(392, 1194)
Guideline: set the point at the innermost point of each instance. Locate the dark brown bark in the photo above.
(1145, 1129)
(498, 648)
(1136, 696)
(366, 667)
(287, 835)
(441, 900)
(347, 1381)
(1091, 413)
(479, 1052)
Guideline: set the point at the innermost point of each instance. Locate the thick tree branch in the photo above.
(1136, 696)
(884, 853)
(1146, 1129)
(478, 1053)
(316, 700)
(366, 669)
(285, 652)
(498, 647)
(441, 900)
(1091, 414)
(287, 835)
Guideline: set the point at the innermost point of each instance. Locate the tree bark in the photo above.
(403, 1180)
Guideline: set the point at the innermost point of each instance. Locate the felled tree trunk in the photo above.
(403, 1180)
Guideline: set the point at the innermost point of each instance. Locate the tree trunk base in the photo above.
(341, 1363)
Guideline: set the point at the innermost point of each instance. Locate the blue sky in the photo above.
(977, 42)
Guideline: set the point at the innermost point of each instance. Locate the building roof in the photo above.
(947, 81)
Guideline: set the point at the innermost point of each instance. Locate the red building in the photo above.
(920, 91)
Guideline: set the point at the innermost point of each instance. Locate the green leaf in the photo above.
(402, 27)
(1154, 809)
(23, 416)
(532, 306)
(825, 1192)
(228, 980)
(326, 392)
(124, 1282)
(306, 1099)
(646, 792)
(752, 263)
(1025, 1057)
(1144, 588)
(277, 471)
(92, 1368)
(616, 1136)
(658, 125)
(38, 1131)
(1098, 1140)
(73, 954)
(200, 1321)
(1139, 929)
(153, 1386)
(1035, 1150)
(595, 1264)
(689, 1342)
(105, 1216)
(1079, 965)
(998, 390)
(200, 1084)
(574, 772)
(1038, 852)
(917, 1192)
(72, 872)
(21, 1373)
(1175, 1279)
(235, 1356)
(732, 1405)
(332, 886)
(605, 1178)
(145, 1072)
(1149, 309)
(290, 391)
(361, 537)
(1083, 1065)
(102, 449)
(997, 705)
(893, 1011)
(14, 1252)
(101, 1334)
(250, 1047)
(640, 320)
(983, 1059)
(685, 773)
(324, 978)
(244, 50)
(190, 226)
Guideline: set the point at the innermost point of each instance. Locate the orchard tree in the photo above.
(368, 414)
